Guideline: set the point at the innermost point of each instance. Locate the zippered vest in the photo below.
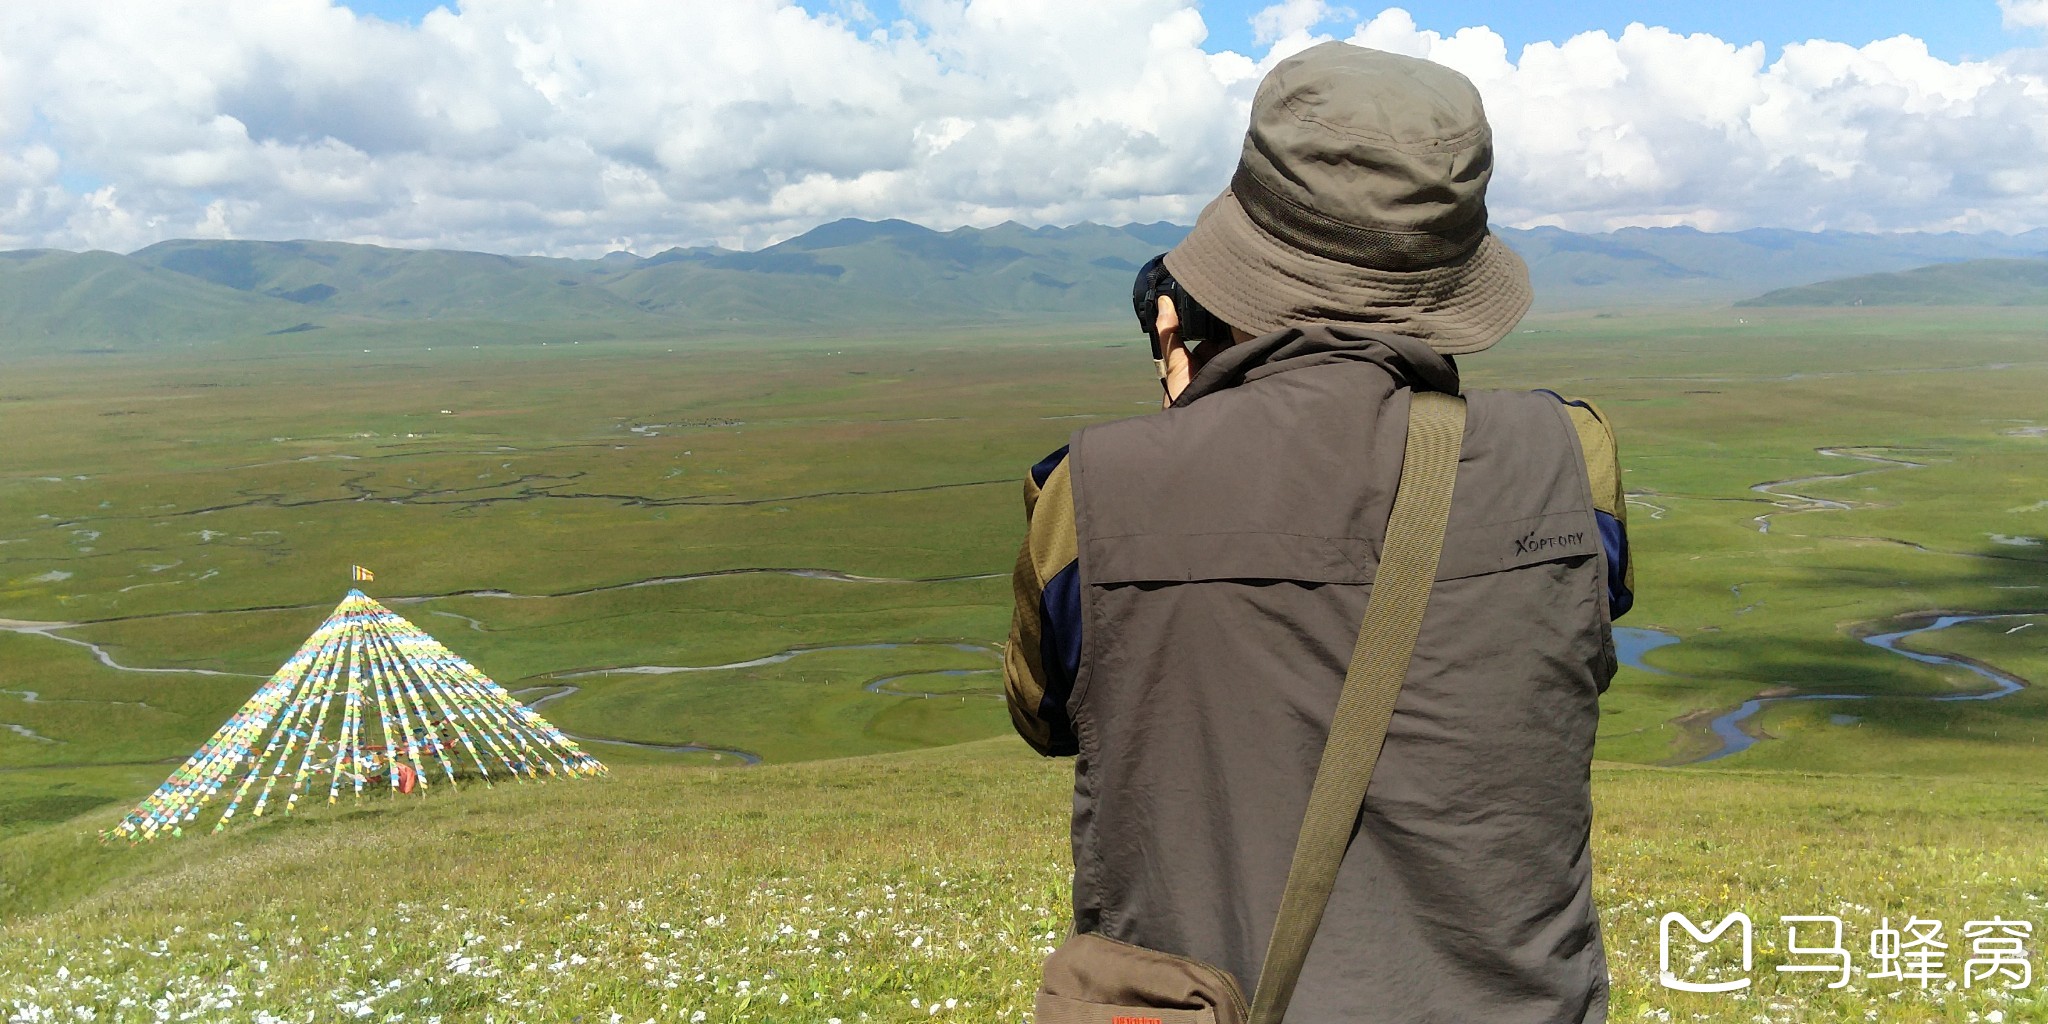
(1225, 548)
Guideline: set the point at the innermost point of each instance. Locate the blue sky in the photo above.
(1952, 31)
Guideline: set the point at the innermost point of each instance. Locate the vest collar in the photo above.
(1410, 362)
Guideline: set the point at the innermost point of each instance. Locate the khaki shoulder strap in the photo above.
(1386, 641)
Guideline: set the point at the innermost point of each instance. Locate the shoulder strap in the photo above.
(1386, 641)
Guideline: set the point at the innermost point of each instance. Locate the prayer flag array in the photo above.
(434, 715)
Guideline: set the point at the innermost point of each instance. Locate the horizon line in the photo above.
(1043, 228)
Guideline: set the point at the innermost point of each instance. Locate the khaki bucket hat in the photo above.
(1360, 198)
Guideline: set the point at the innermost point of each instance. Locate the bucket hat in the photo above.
(1360, 198)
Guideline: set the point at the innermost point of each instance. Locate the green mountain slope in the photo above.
(88, 299)
(1647, 266)
(849, 273)
(330, 278)
(1969, 283)
(894, 271)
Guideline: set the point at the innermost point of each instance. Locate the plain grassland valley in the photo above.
(797, 548)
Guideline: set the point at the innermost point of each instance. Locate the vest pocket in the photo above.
(1052, 1009)
(1092, 979)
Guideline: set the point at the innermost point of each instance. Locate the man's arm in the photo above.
(1610, 505)
(1045, 630)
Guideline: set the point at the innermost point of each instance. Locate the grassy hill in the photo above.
(334, 279)
(777, 545)
(846, 275)
(1647, 266)
(906, 887)
(896, 272)
(1969, 283)
(783, 544)
(82, 299)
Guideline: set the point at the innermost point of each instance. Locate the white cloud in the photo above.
(1292, 18)
(1654, 127)
(530, 126)
(2025, 13)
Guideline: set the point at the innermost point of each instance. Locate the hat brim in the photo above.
(1260, 284)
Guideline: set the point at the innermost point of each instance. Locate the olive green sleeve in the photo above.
(1049, 547)
(1603, 470)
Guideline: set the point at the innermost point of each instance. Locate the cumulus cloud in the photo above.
(1292, 18)
(2024, 13)
(531, 126)
(1656, 128)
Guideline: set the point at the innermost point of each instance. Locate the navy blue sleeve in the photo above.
(1613, 536)
(1059, 629)
(1614, 539)
(1042, 472)
(1059, 645)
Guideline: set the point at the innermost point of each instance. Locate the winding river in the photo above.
(47, 630)
(1633, 644)
(886, 685)
(830, 575)
(771, 659)
(558, 692)
(1791, 501)
(542, 695)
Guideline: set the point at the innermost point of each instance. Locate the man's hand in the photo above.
(1176, 363)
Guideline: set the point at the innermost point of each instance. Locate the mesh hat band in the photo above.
(1357, 244)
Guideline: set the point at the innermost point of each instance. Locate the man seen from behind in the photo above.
(1193, 582)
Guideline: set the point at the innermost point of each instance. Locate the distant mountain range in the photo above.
(871, 275)
(1969, 283)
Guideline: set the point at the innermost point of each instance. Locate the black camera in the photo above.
(1197, 325)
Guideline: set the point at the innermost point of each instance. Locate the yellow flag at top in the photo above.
(361, 574)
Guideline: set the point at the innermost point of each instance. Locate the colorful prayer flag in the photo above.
(368, 693)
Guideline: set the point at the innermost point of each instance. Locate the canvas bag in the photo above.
(1092, 979)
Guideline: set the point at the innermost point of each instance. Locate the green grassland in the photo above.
(881, 888)
(848, 506)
